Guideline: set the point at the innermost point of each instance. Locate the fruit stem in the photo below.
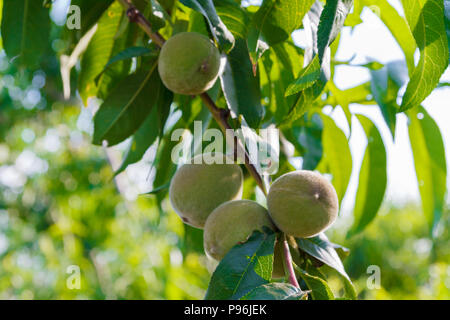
(220, 115)
(288, 267)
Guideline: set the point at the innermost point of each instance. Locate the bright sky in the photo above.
(372, 40)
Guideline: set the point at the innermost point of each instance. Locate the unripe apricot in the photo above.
(189, 63)
(302, 203)
(231, 223)
(197, 189)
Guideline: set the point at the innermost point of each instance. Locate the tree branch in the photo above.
(287, 262)
(220, 115)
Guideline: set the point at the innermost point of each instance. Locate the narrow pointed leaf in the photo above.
(91, 11)
(99, 51)
(426, 20)
(276, 19)
(309, 138)
(233, 16)
(319, 288)
(430, 163)
(306, 78)
(337, 155)
(223, 36)
(447, 22)
(156, 190)
(25, 31)
(127, 54)
(245, 267)
(304, 99)
(323, 250)
(127, 107)
(142, 140)
(372, 178)
(331, 21)
(240, 87)
(280, 67)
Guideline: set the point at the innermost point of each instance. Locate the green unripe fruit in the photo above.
(189, 63)
(302, 203)
(197, 189)
(231, 223)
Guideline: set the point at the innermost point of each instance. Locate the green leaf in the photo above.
(233, 16)
(257, 46)
(426, 20)
(99, 51)
(443, 84)
(385, 86)
(240, 87)
(305, 100)
(343, 252)
(25, 31)
(142, 139)
(167, 4)
(329, 253)
(323, 250)
(275, 291)
(220, 32)
(331, 21)
(306, 78)
(277, 19)
(447, 21)
(156, 15)
(319, 288)
(273, 23)
(245, 267)
(350, 291)
(156, 190)
(359, 94)
(127, 54)
(91, 11)
(309, 137)
(397, 25)
(336, 153)
(128, 105)
(117, 71)
(372, 178)
(280, 66)
(165, 166)
(430, 163)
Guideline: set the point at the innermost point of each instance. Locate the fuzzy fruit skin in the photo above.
(302, 203)
(197, 189)
(189, 63)
(231, 223)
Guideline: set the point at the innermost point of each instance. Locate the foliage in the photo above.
(69, 213)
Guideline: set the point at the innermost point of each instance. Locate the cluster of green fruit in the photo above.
(208, 196)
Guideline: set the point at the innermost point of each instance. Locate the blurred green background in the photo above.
(61, 206)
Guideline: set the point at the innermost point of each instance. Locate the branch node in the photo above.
(133, 14)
